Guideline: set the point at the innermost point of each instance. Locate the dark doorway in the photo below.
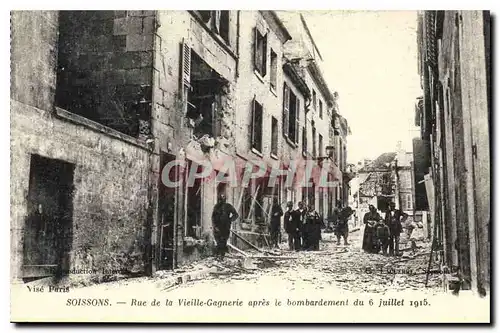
(48, 233)
(167, 203)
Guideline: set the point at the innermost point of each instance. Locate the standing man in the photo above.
(275, 227)
(222, 217)
(298, 223)
(342, 228)
(394, 218)
(290, 229)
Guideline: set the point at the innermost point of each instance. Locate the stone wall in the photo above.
(111, 177)
(105, 67)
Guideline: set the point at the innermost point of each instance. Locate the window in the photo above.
(274, 136)
(217, 21)
(409, 202)
(314, 99)
(202, 93)
(260, 52)
(320, 143)
(274, 69)
(223, 28)
(257, 126)
(321, 109)
(314, 141)
(304, 140)
(291, 112)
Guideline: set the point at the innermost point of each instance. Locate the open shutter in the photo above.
(252, 127)
(297, 122)
(286, 108)
(264, 56)
(186, 64)
(255, 41)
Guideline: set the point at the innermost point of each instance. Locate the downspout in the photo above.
(238, 44)
(151, 241)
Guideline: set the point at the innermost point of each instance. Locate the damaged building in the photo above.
(453, 150)
(102, 101)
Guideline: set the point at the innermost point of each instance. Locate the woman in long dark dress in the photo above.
(370, 219)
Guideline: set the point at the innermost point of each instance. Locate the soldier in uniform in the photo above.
(222, 217)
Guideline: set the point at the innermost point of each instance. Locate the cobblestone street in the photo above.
(334, 267)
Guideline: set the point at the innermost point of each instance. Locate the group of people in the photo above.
(382, 234)
(302, 225)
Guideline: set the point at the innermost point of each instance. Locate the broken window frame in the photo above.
(260, 52)
(256, 137)
(191, 109)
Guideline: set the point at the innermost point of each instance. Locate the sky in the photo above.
(370, 59)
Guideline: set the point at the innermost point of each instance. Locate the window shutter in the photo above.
(255, 41)
(252, 127)
(186, 64)
(286, 101)
(264, 57)
(297, 122)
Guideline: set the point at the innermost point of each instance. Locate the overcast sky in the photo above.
(370, 59)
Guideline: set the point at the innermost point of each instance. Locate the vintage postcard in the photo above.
(250, 166)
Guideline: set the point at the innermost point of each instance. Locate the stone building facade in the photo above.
(102, 101)
(454, 115)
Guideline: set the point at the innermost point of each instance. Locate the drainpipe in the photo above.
(238, 44)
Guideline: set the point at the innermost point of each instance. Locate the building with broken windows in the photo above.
(103, 101)
(453, 151)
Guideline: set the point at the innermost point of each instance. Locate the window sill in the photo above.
(227, 47)
(97, 127)
(290, 142)
(274, 156)
(260, 77)
(273, 90)
(256, 152)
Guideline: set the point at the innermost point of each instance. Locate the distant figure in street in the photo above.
(290, 229)
(222, 217)
(275, 226)
(312, 230)
(342, 227)
(394, 218)
(298, 218)
(370, 244)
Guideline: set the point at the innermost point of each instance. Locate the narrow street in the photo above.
(334, 267)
